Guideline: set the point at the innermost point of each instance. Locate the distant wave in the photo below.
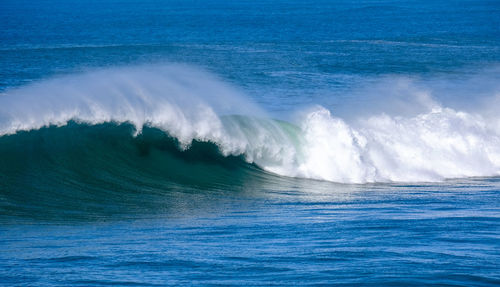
(193, 107)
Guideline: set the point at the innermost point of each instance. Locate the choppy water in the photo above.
(259, 143)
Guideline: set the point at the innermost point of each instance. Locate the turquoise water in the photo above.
(253, 142)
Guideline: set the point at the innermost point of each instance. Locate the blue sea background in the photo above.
(284, 55)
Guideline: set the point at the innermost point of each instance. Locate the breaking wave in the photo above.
(191, 108)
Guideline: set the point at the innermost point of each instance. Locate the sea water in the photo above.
(249, 142)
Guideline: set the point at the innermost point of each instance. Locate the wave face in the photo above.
(65, 122)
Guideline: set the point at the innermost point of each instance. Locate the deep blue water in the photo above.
(249, 142)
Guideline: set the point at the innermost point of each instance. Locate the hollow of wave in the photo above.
(104, 168)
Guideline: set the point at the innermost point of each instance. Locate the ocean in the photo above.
(221, 143)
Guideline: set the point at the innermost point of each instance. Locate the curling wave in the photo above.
(193, 107)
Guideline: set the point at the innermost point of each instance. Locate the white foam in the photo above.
(433, 146)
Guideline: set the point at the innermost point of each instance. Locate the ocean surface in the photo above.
(258, 143)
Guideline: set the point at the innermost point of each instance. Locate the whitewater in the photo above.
(431, 144)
